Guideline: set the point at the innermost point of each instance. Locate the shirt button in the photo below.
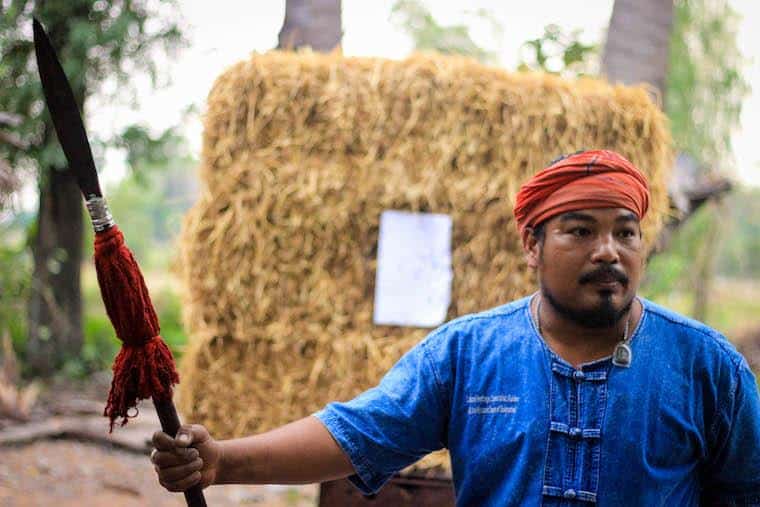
(569, 494)
(575, 432)
(578, 376)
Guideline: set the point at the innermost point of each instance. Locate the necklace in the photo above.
(621, 356)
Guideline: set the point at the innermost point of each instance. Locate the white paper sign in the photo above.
(413, 283)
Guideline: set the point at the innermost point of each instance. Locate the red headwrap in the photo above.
(589, 179)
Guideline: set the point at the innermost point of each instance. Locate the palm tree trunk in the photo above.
(314, 23)
(638, 42)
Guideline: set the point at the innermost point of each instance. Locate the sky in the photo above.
(224, 32)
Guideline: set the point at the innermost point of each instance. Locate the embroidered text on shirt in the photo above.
(494, 404)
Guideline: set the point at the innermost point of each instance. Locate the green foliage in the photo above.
(144, 150)
(150, 202)
(739, 251)
(671, 270)
(148, 205)
(429, 35)
(705, 86)
(15, 281)
(673, 276)
(101, 344)
(169, 310)
(735, 305)
(664, 273)
(95, 40)
(704, 95)
(560, 52)
(556, 51)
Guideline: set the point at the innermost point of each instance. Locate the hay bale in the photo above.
(302, 153)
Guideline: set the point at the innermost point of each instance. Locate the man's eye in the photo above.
(627, 233)
(580, 232)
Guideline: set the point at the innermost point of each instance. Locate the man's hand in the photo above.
(298, 453)
(181, 462)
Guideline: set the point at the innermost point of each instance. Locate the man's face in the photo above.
(589, 264)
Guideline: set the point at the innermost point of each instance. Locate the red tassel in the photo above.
(140, 373)
(144, 367)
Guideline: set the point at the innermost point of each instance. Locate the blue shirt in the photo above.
(524, 427)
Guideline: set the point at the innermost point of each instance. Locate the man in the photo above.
(582, 393)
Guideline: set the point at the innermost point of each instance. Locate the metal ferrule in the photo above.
(99, 213)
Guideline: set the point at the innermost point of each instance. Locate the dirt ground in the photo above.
(69, 473)
(63, 456)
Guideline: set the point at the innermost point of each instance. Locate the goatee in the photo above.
(603, 315)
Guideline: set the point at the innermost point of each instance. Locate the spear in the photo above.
(144, 367)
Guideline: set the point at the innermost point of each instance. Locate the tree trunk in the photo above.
(638, 42)
(314, 23)
(55, 306)
(55, 298)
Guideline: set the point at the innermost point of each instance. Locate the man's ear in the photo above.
(531, 247)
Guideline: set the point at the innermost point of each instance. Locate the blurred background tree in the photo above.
(705, 86)
(96, 40)
(636, 49)
(704, 93)
(559, 51)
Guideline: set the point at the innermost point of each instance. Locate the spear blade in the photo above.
(65, 114)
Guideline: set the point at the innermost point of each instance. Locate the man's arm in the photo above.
(298, 453)
(367, 439)
(732, 475)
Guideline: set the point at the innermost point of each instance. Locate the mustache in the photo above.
(604, 273)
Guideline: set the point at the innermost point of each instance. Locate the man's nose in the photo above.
(605, 250)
